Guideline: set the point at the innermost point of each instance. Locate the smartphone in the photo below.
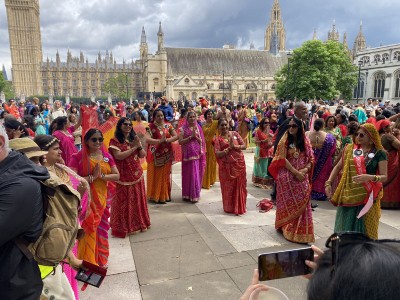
(282, 264)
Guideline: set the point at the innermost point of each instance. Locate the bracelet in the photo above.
(377, 178)
(328, 183)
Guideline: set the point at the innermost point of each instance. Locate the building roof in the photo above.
(202, 61)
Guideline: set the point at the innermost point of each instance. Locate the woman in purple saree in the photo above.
(324, 147)
(193, 158)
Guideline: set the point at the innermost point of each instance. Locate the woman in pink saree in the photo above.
(193, 158)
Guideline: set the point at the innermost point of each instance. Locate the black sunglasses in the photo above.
(127, 124)
(341, 239)
(94, 140)
(292, 126)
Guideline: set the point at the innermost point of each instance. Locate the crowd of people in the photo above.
(304, 150)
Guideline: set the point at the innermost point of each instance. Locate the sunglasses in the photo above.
(94, 140)
(127, 124)
(293, 126)
(341, 239)
(361, 135)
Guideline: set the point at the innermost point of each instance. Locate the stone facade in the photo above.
(26, 45)
(176, 72)
(379, 72)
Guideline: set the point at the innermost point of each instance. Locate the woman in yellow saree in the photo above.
(210, 129)
(358, 195)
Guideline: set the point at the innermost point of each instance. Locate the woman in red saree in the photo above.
(98, 167)
(129, 212)
(232, 169)
(159, 137)
(292, 170)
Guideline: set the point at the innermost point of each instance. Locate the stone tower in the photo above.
(160, 35)
(360, 43)
(333, 34)
(23, 18)
(275, 35)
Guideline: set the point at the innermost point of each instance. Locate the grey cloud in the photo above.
(96, 25)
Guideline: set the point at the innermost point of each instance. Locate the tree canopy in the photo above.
(6, 87)
(119, 86)
(317, 70)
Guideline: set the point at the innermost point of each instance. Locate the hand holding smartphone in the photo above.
(283, 264)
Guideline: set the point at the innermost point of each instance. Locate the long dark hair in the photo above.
(119, 135)
(58, 123)
(299, 136)
(14, 124)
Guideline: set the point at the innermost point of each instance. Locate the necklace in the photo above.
(63, 175)
(292, 147)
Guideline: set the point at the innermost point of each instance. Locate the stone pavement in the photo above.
(196, 251)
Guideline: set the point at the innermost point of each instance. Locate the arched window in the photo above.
(385, 56)
(397, 85)
(365, 59)
(181, 96)
(194, 96)
(155, 80)
(396, 56)
(360, 90)
(379, 85)
(273, 86)
(187, 81)
(377, 58)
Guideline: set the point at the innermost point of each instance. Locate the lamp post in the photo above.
(365, 87)
(358, 83)
(223, 85)
(289, 54)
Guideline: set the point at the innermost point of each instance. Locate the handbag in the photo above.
(264, 205)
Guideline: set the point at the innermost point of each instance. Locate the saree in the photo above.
(263, 152)
(193, 163)
(140, 130)
(210, 174)
(293, 205)
(350, 197)
(337, 134)
(242, 126)
(391, 188)
(232, 175)
(323, 167)
(67, 144)
(159, 164)
(93, 247)
(129, 207)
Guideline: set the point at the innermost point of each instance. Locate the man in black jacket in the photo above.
(21, 218)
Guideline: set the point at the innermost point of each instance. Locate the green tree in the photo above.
(317, 69)
(119, 86)
(6, 87)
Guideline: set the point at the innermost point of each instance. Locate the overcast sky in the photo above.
(97, 25)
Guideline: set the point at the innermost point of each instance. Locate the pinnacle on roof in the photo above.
(160, 32)
(143, 37)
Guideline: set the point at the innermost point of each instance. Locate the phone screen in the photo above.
(282, 264)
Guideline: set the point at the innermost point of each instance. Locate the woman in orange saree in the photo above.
(159, 137)
(98, 167)
(210, 129)
(292, 168)
(242, 125)
(232, 169)
(139, 125)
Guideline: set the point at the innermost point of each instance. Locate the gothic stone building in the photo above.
(176, 72)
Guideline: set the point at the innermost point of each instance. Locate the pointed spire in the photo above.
(160, 32)
(99, 57)
(143, 37)
(360, 42)
(58, 57)
(333, 34)
(315, 37)
(346, 46)
(275, 36)
(4, 73)
(252, 46)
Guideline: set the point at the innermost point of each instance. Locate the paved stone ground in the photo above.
(196, 251)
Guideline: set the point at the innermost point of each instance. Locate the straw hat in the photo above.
(27, 146)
